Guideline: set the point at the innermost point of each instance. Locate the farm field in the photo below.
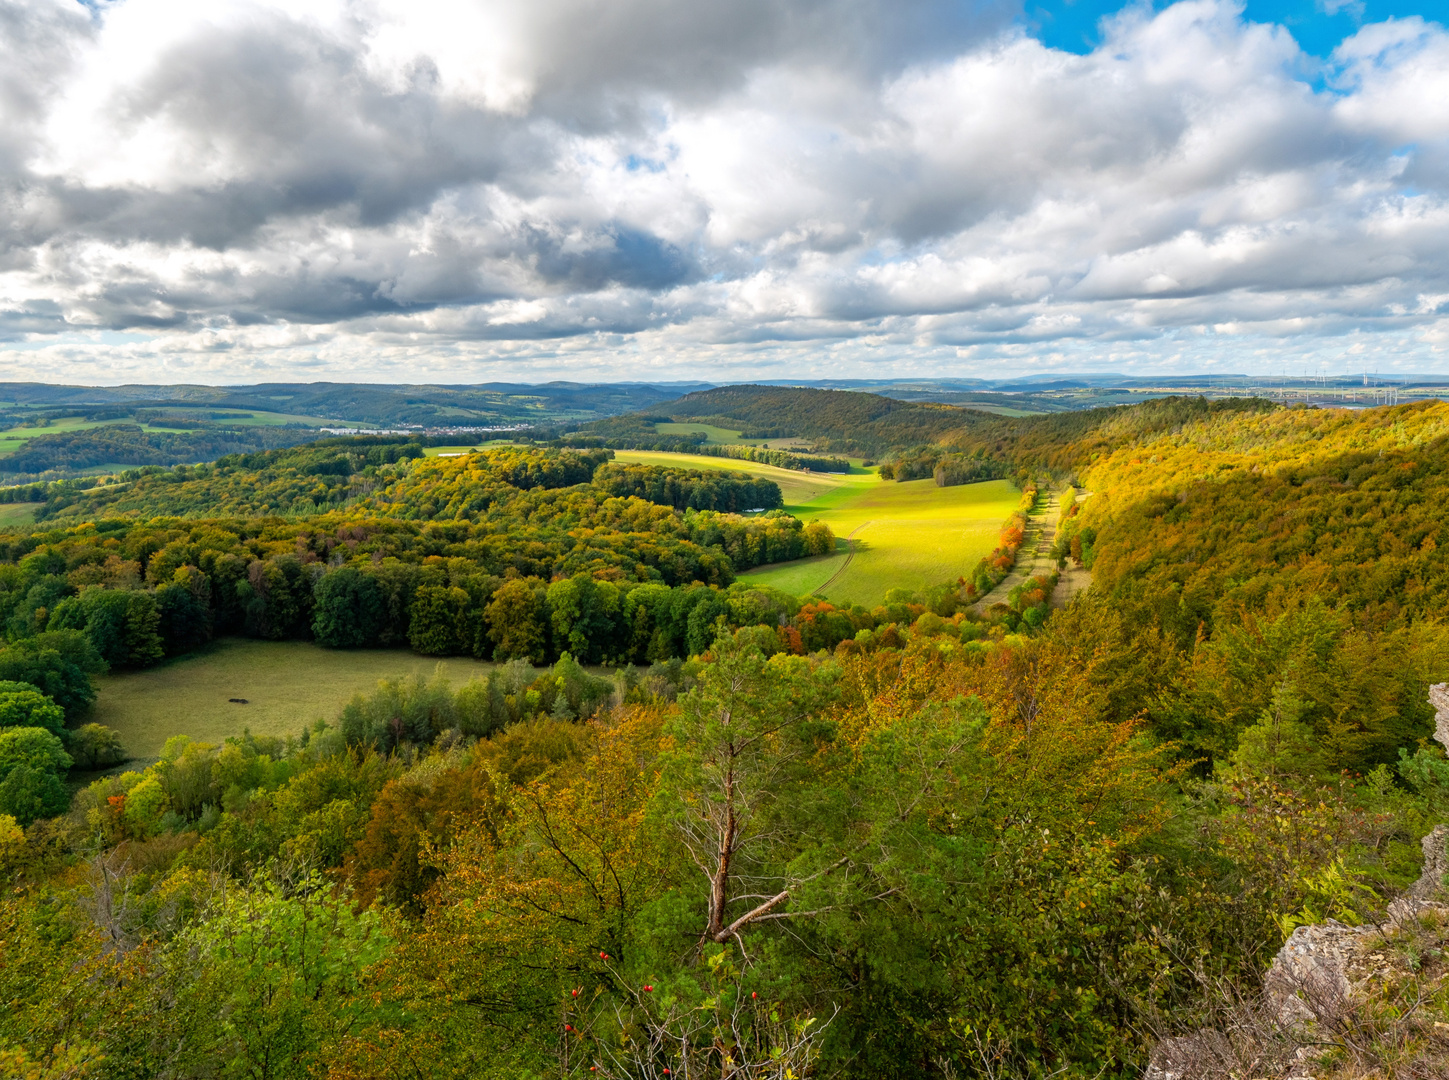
(465, 448)
(719, 436)
(907, 535)
(1002, 410)
(15, 438)
(252, 417)
(911, 534)
(288, 684)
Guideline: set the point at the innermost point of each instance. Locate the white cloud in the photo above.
(373, 188)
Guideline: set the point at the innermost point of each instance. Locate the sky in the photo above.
(466, 190)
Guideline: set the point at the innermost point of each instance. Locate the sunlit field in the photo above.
(911, 534)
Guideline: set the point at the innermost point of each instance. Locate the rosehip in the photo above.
(568, 1027)
(754, 996)
(575, 993)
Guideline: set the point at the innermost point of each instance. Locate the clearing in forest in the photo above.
(18, 513)
(287, 685)
(907, 535)
(718, 436)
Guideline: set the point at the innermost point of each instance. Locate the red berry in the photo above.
(568, 1027)
(753, 995)
(575, 993)
(603, 956)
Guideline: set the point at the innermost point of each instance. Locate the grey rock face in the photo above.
(1316, 976)
(1309, 978)
(1436, 864)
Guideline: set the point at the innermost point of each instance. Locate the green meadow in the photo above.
(718, 436)
(287, 685)
(13, 439)
(12, 514)
(906, 534)
(464, 448)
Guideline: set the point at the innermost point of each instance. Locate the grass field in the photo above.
(466, 448)
(910, 535)
(15, 438)
(718, 436)
(907, 535)
(1003, 410)
(17, 513)
(287, 684)
(253, 417)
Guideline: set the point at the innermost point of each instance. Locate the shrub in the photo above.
(95, 746)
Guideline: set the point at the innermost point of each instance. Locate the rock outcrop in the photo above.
(1436, 865)
(1439, 698)
(1322, 970)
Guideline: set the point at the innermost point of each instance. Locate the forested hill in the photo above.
(429, 405)
(510, 553)
(1244, 548)
(390, 478)
(841, 421)
(1064, 442)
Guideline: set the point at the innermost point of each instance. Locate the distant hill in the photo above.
(842, 421)
(51, 432)
(359, 403)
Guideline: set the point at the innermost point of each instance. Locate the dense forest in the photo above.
(780, 839)
(512, 553)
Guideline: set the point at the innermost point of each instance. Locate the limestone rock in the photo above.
(1436, 862)
(1439, 698)
(1309, 978)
